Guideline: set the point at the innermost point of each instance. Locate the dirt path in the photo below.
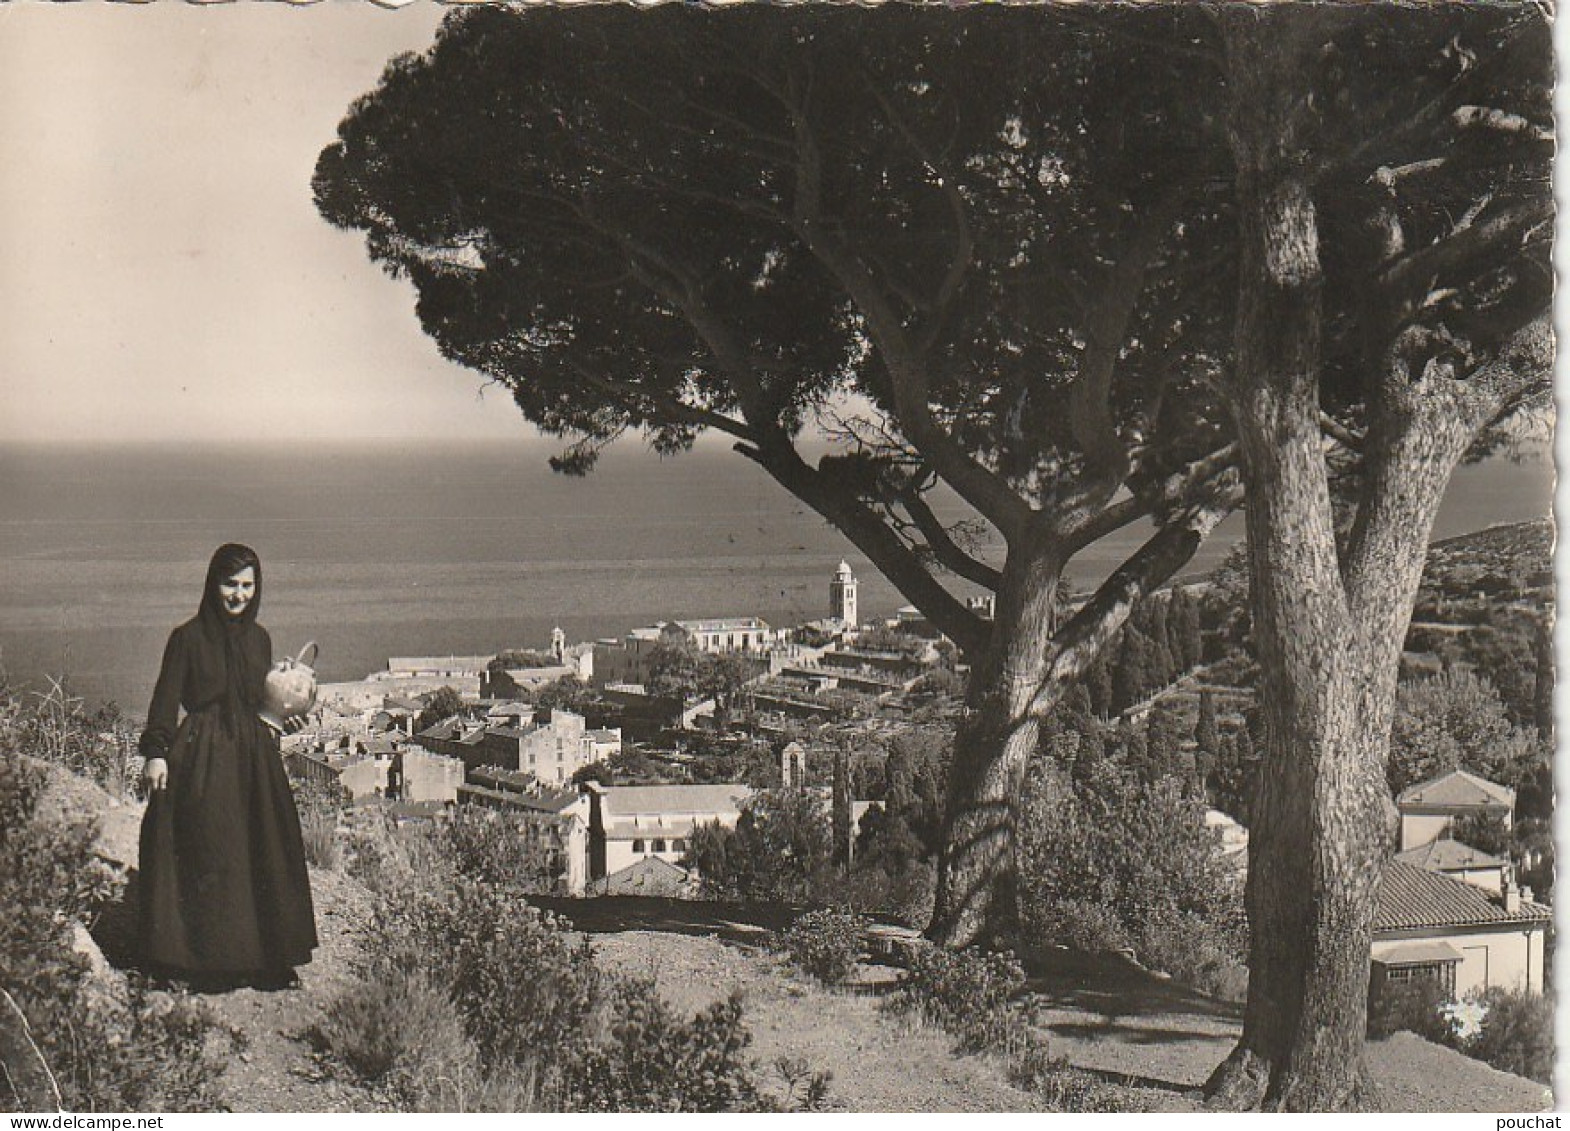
(277, 1071)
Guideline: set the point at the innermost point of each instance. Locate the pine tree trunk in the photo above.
(976, 889)
(1328, 632)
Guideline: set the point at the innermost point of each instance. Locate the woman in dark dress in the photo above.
(225, 894)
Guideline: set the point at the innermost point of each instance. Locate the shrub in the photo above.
(320, 807)
(824, 944)
(156, 1051)
(1084, 925)
(806, 1088)
(1414, 1005)
(111, 1045)
(778, 850)
(398, 1032)
(470, 998)
(1518, 1034)
(1108, 862)
(1193, 950)
(55, 727)
(964, 992)
(523, 989)
(484, 845)
(656, 1061)
(319, 830)
(1061, 1085)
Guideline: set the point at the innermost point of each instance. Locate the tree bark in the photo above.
(976, 897)
(1328, 625)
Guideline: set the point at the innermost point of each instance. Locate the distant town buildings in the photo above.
(630, 823)
(625, 660)
(502, 752)
(552, 751)
(436, 667)
(384, 766)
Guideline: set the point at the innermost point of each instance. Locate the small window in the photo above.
(659, 846)
(678, 845)
(637, 846)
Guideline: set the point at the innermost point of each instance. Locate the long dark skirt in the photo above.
(223, 879)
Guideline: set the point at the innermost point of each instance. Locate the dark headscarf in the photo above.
(240, 684)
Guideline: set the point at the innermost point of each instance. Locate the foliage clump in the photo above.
(779, 850)
(1113, 863)
(967, 993)
(825, 944)
(470, 999)
(320, 806)
(1511, 1030)
(111, 1043)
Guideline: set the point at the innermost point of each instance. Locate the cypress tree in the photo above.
(1207, 732)
(1131, 679)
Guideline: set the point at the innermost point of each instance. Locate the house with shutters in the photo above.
(1431, 925)
(629, 823)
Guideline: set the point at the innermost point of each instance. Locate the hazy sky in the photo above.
(163, 272)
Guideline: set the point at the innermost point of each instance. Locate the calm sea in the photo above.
(436, 549)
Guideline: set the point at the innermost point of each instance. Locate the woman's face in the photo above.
(235, 593)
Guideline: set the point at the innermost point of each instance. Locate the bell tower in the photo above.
(842, 596)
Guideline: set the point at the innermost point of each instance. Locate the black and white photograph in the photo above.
(777, 558)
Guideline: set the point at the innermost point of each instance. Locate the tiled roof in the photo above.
(543, 801)
(513, 732)
(649, 876)
(625, 800)
(1413, 897)
(1456, 789)
(1448, 856)
(453, 730)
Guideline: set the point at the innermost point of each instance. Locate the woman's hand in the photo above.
(294, 724)
(156, 774)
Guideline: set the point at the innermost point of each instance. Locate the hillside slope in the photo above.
(1153, 1038)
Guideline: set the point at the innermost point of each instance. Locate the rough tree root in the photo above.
(1243, 1082)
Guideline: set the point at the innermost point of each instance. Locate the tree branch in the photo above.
(1417, 268)
(673, 408)
(978, 486)
(1179, 489)
(1110, 311)
(947, 552)
(872, 536)
(1077, 644)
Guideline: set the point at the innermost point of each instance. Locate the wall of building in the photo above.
(1419, 828)
(621, 661)
(430, 777)
(1422, 828)
(1508, 957)
(365, 777)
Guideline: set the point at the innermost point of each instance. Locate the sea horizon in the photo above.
(378, 548)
